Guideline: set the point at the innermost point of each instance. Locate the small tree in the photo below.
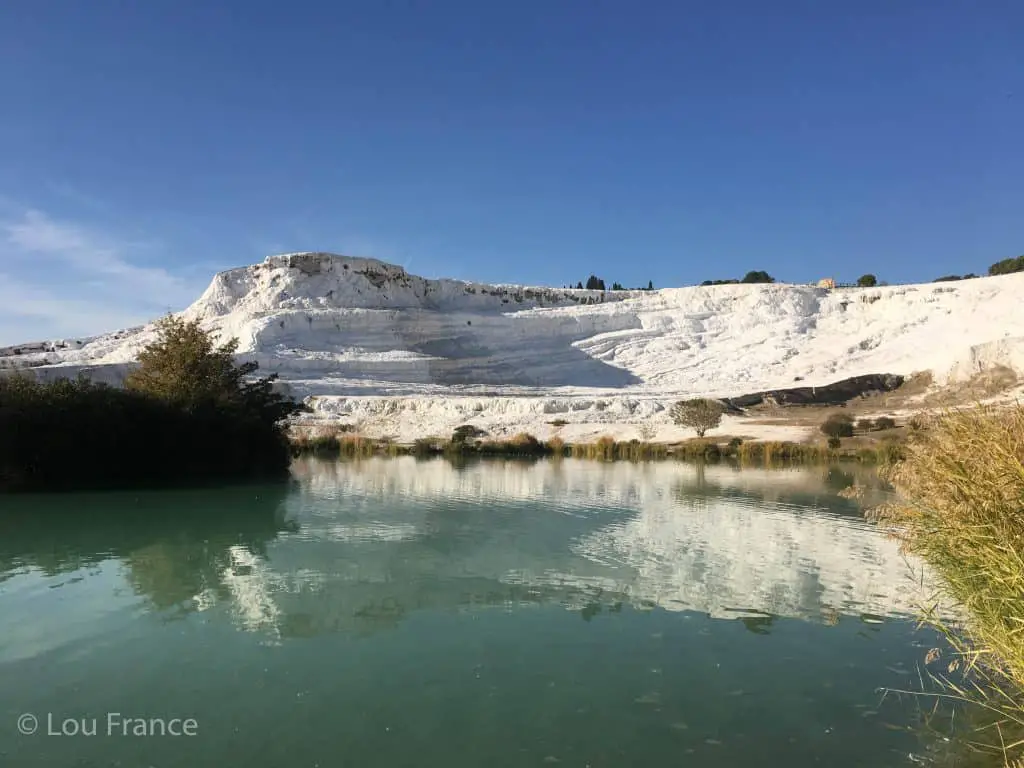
(837, 425)
(650, 285)
(867, 281)
(865, 425)
(579, 285)
(759, 276)
(184, 366)
(885, 422)
(700, 414)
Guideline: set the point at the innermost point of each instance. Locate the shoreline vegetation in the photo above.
(188, 414)
(961, 510)
(340, 444)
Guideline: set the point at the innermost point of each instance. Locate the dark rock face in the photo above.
(831, 394)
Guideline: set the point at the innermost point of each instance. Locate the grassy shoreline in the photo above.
(603, 449)
(961, 510)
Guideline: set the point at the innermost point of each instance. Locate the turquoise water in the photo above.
(403, 613)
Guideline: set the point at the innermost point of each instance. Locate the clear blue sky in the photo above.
(147, 144)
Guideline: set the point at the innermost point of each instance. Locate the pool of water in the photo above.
(404, 613)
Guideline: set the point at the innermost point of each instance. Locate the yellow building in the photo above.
(827, 282)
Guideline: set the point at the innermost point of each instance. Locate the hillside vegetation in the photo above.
(188, 413)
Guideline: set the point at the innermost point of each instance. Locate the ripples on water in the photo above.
(395, 612)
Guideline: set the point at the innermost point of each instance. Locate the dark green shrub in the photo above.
(758, 276)
(837, 425)
(885, 422)
(424, 446)
(201, 414)
(1007, 266)
(465, 433)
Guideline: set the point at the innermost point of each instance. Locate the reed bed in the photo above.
(961, 509)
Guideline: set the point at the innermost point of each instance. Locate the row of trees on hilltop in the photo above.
(760, 276)
(868, 280)
(1004, 267)
(595, 283)
(187, 413)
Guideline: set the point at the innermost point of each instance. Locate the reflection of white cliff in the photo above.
(380, 538)
(718, 556)
(251, 588)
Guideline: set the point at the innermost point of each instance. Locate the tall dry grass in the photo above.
(961, 485)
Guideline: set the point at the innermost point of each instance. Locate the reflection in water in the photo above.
(395, 612)
(358, 546)
(715, 540)
(174, 549)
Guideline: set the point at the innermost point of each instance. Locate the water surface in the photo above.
(404, 613)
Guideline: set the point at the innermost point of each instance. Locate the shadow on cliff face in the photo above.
(493, 352)
(473, 364)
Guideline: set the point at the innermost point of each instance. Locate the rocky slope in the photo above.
(355, 334)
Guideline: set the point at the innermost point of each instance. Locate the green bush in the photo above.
(837, 425)
(700, 414)
(865, 425)
(867, 281)
(463, 434)
(885, 422)
(698, 449)
(1007, 266)
(423, 446)
(199, 414)
(759, 276)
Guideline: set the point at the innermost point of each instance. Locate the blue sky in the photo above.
(147, 145)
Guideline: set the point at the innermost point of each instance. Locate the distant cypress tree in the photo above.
(650, 285)
(579, 285)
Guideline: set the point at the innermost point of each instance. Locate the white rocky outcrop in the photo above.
(356, 334)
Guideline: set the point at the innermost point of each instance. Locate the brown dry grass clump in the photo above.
(556, 446)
